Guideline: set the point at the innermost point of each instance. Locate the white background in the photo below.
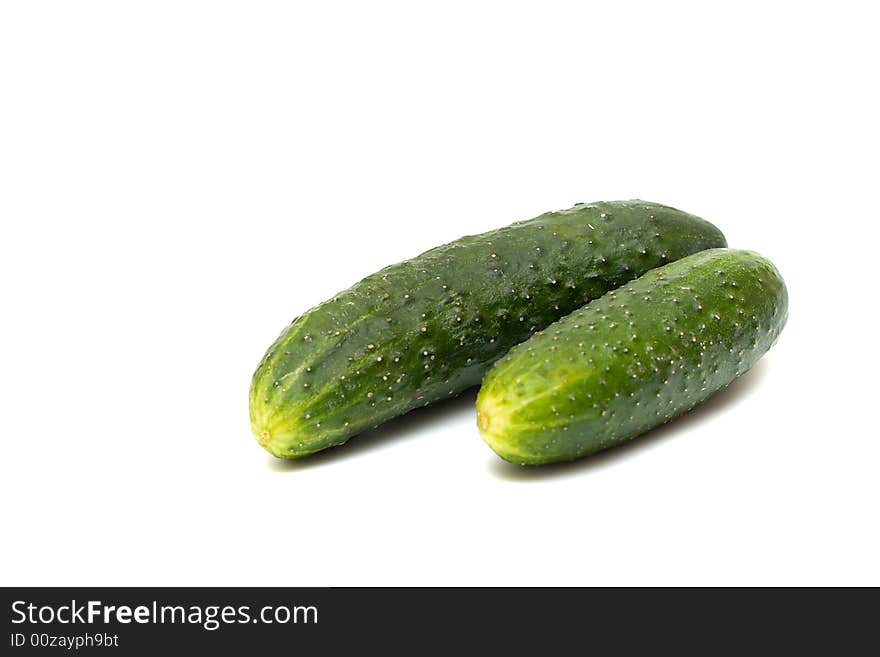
(180, 179)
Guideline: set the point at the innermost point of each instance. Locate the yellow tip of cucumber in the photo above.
(494, 423)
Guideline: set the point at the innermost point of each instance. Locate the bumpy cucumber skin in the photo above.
(634, 359)
(428, 328)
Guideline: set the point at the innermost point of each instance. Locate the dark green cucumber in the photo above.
(428, 328)
(634, 359)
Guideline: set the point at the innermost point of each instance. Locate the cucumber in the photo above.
(634, 359)
(428, 328)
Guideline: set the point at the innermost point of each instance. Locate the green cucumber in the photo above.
(428, 328)
(634, 359)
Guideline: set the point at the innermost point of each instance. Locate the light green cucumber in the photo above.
(428, 328)
(634, 359)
